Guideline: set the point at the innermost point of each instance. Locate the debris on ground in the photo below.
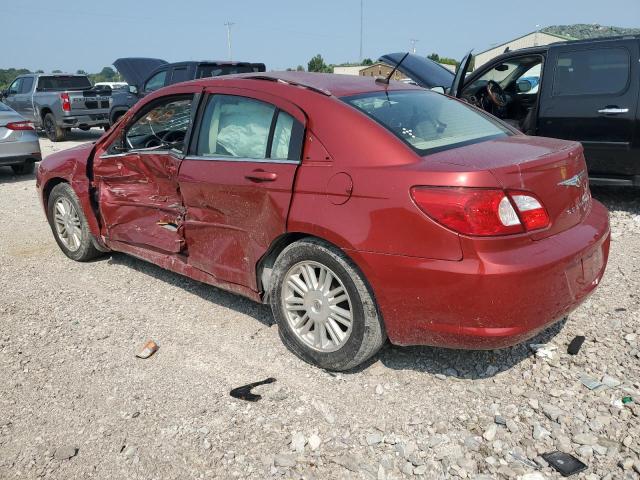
(575, 345)
(147, 350)
(564, 463)
(544, 350)
(244, 392)
(590, 382)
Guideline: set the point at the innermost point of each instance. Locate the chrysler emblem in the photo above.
(575, 181)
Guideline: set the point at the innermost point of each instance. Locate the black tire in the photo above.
(24, 169)
(52, 130)
(86, 250)
(367, 335)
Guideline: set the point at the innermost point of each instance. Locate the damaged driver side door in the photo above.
(137, 177)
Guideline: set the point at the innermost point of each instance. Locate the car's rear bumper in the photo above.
(89, 120)
(25, 148)
(499, 295)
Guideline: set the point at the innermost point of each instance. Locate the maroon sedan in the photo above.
(360, 211)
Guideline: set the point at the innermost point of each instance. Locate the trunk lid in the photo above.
(90, 101)
(7, 115)
(553, 170)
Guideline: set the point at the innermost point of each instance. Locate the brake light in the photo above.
(481, 212)
(66, 103)
(20, 126)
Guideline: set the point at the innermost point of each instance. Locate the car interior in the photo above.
(509, 91)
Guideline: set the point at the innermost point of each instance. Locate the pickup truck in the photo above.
(145, 75)
(583, 90)
(59, 102)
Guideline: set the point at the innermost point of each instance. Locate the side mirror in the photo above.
(524, 86)
(133, 89)
(438, 89)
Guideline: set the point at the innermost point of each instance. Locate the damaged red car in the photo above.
(358, 210)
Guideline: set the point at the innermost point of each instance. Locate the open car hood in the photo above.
(421, 70)
(136, 70)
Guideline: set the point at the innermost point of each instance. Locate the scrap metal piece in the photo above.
(244, 392)
(149, 349)
(574, 346)
(590, 382)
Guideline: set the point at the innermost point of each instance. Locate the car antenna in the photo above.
(386, 80)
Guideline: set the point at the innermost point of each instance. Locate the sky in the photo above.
(71, 34)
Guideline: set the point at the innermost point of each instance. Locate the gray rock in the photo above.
(551, 411)
(379, 389)
(585, 439)
(610, 381)
(65, 453)
(539, 432)
(349, 462)
(490, 433)
(314, 442)
(284, 460)
(472, 443)
(298, 442)
(374, 438)
(500, 420)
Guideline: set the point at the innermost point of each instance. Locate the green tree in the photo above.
(435, 57)
(81, 72)
(367, 61)
(7, 76)
(316, 64)
(56, 71)
(299, 68)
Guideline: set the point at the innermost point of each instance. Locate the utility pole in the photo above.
(361, 27)
(228, 25)
(413, 44)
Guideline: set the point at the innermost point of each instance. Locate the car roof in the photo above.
(324, 83)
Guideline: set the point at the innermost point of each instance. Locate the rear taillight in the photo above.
(20, 126)
(66, 103)
(480, 211)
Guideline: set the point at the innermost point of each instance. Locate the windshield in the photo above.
(61, 83)
(428, 121)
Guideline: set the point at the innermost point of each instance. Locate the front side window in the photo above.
(163, 127)
(14, 88)
(428, 121)
(156, 82)
(599, 71)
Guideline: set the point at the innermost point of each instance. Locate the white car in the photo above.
(19, 146)
(113, 85)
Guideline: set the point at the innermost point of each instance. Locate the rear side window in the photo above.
(27, 85)
(156, 82)
(179, 75)
(428, 121)
(241, 127)
(62, 83)
(598, 71)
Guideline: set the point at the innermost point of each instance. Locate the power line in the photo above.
(229, 25)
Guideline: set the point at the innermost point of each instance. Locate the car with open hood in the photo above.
(586, 90)
(360, 210)
(146, 75)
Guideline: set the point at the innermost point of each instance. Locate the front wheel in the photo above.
(325, 312)
(69, 225)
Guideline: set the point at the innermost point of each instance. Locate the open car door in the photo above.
(461, 73)
(136, 176)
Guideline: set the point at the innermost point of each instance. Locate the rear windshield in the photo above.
(217, 70)
(61, 83)
(428, 121)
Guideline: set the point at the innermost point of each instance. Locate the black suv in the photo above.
(145, 75)
(583, 90)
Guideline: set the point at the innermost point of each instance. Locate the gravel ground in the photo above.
(76, 403)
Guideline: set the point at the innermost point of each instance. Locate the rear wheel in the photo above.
(325, 312)
(52, 130)
(69, 225)
(24, 169)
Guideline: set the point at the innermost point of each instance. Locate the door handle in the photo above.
(261, 176)
(613, 110)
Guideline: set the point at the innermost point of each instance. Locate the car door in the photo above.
(136, 176)
(237, 180)
(23, 99)
(592, 98)
(157, 81)
(12, 93)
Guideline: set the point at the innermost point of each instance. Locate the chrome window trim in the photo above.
(174, 153)
(240, 159)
